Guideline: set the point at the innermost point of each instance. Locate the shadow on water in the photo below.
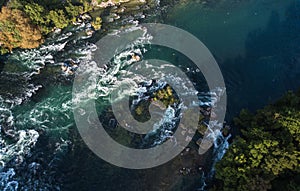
(270, 66)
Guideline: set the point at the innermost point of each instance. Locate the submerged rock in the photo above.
(204, 146)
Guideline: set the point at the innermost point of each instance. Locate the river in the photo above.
(256, 44)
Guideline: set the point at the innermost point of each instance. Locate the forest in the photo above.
(265, 155)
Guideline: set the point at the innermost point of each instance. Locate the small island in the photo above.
(43, 44)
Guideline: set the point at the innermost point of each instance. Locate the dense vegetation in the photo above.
(266, 155)
(24, 23)
(17, 30)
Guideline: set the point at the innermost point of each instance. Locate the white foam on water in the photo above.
(6, 182)
(45, 115)
(26, 140)
(109, 79)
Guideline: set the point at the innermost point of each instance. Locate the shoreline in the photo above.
(36, 19)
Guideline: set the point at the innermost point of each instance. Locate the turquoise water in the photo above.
(256, 44)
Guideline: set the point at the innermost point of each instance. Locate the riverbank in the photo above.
(39, 135)
(39, 103)
(26, 25)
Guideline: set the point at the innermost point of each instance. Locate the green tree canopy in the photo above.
(58, 18)
(266, 155)
(39, 19)
(36, 13)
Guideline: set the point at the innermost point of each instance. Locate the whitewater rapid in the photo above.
(24, 121)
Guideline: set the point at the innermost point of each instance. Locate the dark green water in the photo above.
(256, 44)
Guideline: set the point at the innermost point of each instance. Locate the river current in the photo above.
(255, 43)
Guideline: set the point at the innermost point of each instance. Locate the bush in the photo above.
(97, 23)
